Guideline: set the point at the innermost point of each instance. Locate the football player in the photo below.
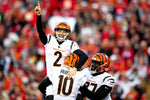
(99, 83)
(66, 88)
(57, 47)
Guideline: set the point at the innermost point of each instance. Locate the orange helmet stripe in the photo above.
(98, 57)
(104, 58)
(101, 57)
(71, 60)
(63, 25)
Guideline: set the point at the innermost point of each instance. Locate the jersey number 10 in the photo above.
(63, 83)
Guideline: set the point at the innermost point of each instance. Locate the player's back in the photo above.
(65, 88)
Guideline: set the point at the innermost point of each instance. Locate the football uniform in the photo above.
(56, 48)
(65, 88)
(56, 53)
(95, 82)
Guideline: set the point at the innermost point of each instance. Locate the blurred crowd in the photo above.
(119, 28)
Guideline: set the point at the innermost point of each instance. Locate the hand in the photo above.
(72, 72)
(38, 9)
(83, 90)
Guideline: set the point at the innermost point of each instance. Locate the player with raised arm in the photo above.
(57, 47)
(66, 88)
(99, 83)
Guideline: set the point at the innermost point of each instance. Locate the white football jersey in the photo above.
(95, 82)
(55, 53)
(65, 88)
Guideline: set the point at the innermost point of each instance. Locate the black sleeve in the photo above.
(79, 97)
(42, 86)
(83, 58)
(50, 97)
(101, 93)
(40, 30)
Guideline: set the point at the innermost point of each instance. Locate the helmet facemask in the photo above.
(61, 36)
(95, 66)
(62, 31)
(99, 63)
(98, 66)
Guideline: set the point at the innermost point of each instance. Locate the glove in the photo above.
(37, 9)
(83, 90)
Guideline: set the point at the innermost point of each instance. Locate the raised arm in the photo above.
(40, 30)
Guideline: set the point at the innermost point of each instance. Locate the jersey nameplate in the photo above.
(64, 71)
(59, 50)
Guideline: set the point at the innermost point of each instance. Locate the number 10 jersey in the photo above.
(65, 88)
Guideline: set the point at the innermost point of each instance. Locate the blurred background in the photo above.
(119, 28)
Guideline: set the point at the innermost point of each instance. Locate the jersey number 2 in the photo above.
(57, 60)
(63, 84)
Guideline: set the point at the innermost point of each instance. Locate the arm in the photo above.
(83, 58)
(101, 93)
(41, 32)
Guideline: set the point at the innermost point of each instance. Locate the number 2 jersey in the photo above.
(95, 82)
(65, 88)
(55, 53)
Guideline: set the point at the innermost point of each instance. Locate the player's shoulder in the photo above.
(80, 74)
(70, 42)
(50, 38)
(107, 75)
(108, 79)
(85, 70)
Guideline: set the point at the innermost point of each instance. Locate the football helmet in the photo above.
(99, 63)
(71, 60)
(62, 36)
